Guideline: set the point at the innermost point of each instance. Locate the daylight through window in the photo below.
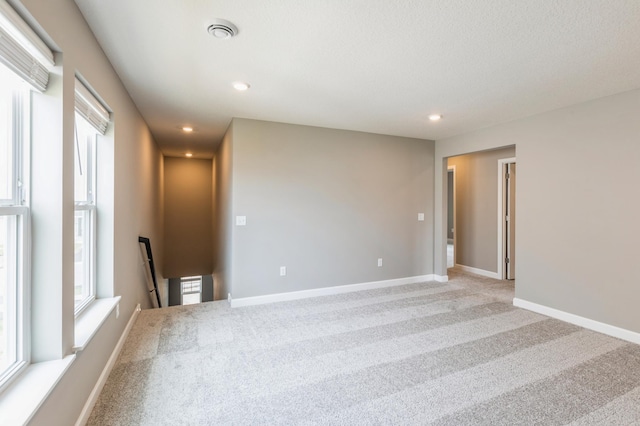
(14, 216)
(191, 289)
(85, 213)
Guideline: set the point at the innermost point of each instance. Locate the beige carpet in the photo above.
(452, 353)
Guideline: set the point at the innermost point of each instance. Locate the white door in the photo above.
(510, 221)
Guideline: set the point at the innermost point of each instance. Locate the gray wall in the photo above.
(207, 288)
(188, 203)
(174, 292)
(327, 204)
(222, 220)
(133, 173)
(477, 207)
(577, 229)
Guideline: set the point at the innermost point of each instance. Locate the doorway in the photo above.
(190, 290)
(507, 218)
(475, 241)
(451, 216)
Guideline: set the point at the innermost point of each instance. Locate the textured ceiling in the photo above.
(370, 65)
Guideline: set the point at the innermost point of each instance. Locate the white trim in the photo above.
(441, 278)
(326, 291)
(28, 392)
(13, 210)
(95, 393)
(600, 327)
(82, 206)
(501, 215)
(455, 225)
(477, 271)
(91, 319)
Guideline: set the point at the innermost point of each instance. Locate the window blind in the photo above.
(91, 108)
(22, 50)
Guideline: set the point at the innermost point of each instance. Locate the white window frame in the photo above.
(88, 206)
(190, 281)
(18, 207)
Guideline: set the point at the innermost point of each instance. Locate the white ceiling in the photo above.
(378, 66)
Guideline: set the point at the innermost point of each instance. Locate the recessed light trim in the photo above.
(435, 117)
(188, 155)
(241, 86)
(187, 129)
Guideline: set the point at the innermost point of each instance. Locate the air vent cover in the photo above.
(221, 29)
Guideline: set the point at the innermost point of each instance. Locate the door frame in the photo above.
(452, 168)
(502, 214)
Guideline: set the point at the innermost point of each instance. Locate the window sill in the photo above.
(20, 401)
(22, 398)
(91, 319)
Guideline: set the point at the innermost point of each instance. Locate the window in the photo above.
(25, 61)
(191, 290)
(14, 217)
(91, 120)
(85, 213)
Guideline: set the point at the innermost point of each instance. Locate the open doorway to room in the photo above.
(476, 241)
(190, 290)
(451, 212)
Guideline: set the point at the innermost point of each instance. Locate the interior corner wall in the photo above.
(577, 228)
(222, 177)
(137, 206)
(476, 193)
(188, 237)
(327, 204)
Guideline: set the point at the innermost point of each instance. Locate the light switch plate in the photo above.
(241, 220)
(421, 217)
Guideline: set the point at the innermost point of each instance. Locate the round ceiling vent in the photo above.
(221, 29)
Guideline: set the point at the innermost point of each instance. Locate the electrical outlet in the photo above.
(283, 271)
(380, 262)
(117, 310)
(241, 220)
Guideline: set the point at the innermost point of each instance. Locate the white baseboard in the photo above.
(441, 278)
(326, 291)
(95, 393)
(477, 271)
(600, 327)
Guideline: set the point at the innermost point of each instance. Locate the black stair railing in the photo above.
(152, 267)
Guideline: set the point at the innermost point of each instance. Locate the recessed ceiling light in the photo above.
(222, 29)
(188, 155)
(435, 117)
(187, 129)
(241, 86)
